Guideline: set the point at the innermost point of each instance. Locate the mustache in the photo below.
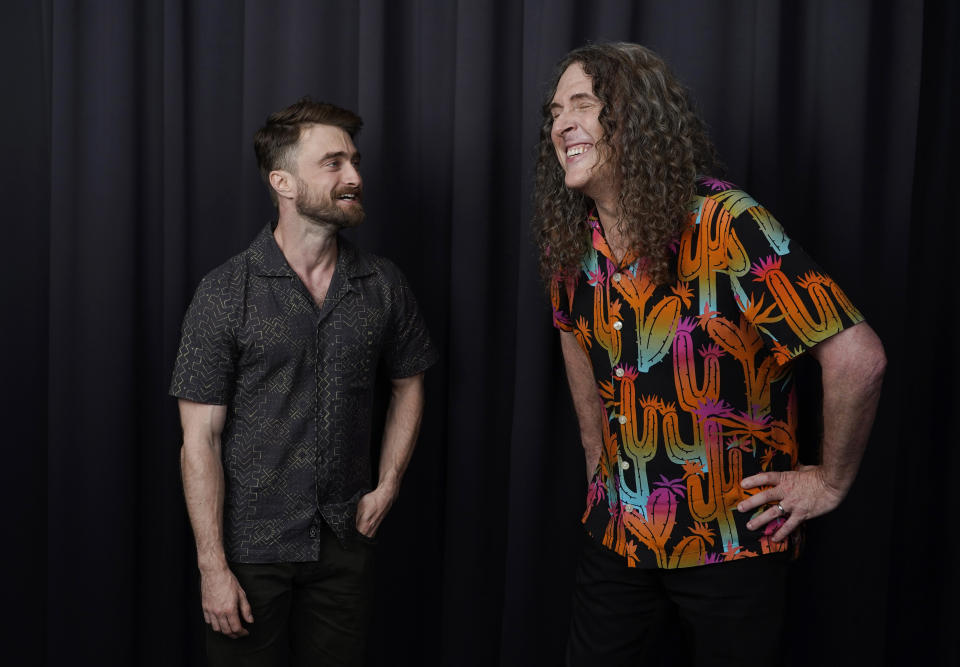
(355, 191)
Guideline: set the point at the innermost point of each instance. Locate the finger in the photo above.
(762, 519)
(761, 479)
(227, 632)
(228, 628)
(245, 608)
(764, 497)
(788, 527)
(233, 621)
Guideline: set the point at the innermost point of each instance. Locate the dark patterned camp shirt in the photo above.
(696, 378)
(297, 380)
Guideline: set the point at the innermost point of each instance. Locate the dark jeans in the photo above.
(725, 614)
(313, 613)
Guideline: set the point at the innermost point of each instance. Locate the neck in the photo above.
(607, 211)
(306, 245)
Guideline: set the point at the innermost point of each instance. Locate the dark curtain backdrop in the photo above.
(129, 173)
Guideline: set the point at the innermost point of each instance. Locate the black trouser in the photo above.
(727, 614)
(313, 613)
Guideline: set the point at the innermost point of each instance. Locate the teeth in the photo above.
(576, 150)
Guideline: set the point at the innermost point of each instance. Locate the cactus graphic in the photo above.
(692, 549)
(809, 327)
(710, 246)
(738, 201)
(654, 527)
(742, 341)
(655, 329)
(812, 277)
(689, 551)
(606, 483)
(637, 447)
(678, 450)
(712, 498)
(689, 392)
(605, 312)
(783, 435)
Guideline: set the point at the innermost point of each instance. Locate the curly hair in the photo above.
(657, 145)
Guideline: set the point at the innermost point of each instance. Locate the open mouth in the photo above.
(579, 149)
(349, 197)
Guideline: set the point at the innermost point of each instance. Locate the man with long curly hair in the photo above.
(682, 305)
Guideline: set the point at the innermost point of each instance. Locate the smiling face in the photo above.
(329, 189)
(578, 136)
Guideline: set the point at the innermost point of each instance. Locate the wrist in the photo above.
(834, 481)
(389, 485)
(212, 563)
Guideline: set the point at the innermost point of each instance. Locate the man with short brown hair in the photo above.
(275, 374)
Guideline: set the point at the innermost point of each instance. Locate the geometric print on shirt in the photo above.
(298, 381)
(696, 377)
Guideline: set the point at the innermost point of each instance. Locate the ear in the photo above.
(283, 183)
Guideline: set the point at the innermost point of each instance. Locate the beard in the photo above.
(324, 210)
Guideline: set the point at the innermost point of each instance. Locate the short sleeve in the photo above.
(780, 289)
(408, 350)
(561, 300)
(206, 360)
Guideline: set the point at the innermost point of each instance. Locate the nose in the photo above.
(351, 175)
(563, 122)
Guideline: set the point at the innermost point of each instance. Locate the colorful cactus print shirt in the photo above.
(696, 378)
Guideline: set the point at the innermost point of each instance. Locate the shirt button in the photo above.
(625, 465)
(622, 419)
(313, 532)
(616, 277)
(628, 508)
(618, 325)
(619, 372)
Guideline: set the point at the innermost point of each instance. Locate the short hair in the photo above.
(275, 142)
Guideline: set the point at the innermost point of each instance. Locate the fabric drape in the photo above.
(129, 173)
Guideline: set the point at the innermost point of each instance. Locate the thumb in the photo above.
(245, 609)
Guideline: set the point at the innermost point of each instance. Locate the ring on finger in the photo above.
(782, 511)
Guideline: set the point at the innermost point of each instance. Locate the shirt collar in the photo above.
(268, 260)
(601, 245)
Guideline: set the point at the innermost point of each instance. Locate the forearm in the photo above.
(586, 400)
(203, 489)
(851, 392)
(853, 364)
(203, 482)
(402, 427)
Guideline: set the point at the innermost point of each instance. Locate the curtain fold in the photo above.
(130, 173)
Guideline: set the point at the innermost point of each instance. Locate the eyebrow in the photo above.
(333, 154)
(577, 97)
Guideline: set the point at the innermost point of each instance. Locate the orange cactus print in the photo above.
(708, 248)
(695, 377)
(810, 328)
